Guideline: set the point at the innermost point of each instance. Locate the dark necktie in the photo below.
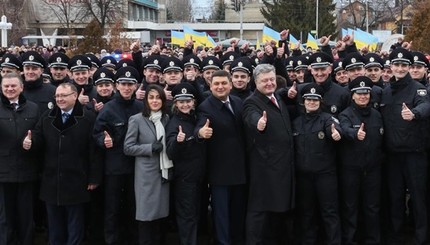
(14, 106)
(65, 116)
(228, 105)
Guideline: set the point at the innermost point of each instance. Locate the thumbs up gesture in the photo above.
(206, 132)
(262, 122)
(26, 144)
(108, 140)
(181, 135)
(280, 51)
(168, 93)
(407, 114)
(83, 99)
(97, 105)
(334, 133)
(361, 134)
(140, 92)
(284, 34)
(292, 92)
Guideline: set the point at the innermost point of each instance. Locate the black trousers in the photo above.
(268, 228)
(120, 210)
(150, 232)
(360, 190)
(317, 196)
(407, 171)
(187, 209)
(18, 213)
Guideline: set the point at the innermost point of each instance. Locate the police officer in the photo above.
(315, 134)
(210, 64)
(241, 70)
(404, 107)
(10, 64)
(339, 74)
(188, 156)
(151, 73)
(172, 69)
(373, 66)
(419, 68)
(109, 131)
(109, 62)
(34, 88)
(79, 67)
(353, 63)
(336, 98)
(360, 165)
(300, 64)
(105, 86)
(58, 63)
(95, 63)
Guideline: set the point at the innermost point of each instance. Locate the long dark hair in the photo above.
(146, 110)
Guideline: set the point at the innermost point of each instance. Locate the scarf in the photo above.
(165, 162)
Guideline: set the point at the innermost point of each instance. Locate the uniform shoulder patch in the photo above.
(422, 92)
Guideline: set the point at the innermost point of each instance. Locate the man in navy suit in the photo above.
(220, 124)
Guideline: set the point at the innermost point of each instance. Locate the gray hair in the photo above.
(14, 75)
(263, 68)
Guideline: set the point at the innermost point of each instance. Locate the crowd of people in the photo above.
(274, 145)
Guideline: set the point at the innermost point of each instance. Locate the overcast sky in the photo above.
(202, 8)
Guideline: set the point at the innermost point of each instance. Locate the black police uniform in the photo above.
(241, 64)
(336, 98)
(189, 160)
(360, 169)
(209, 62)
(59, 60)
(119, 168)
(316, 176)
(102, 75)
(81, 62)
(40, 93)
(405, 145)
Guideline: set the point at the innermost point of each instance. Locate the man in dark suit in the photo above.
(72, 164)
(220, 124)
(271, 167)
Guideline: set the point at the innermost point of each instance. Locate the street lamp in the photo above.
(316, 20)
(4, 26)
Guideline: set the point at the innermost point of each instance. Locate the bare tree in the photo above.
(179, 10)
(15, 11)
(67, 12)
(105, 11)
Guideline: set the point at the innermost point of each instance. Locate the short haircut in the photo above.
(68, 85)
(262, 69)
(221, 73)
(13, 75)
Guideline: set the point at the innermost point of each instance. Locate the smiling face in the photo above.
(11, 88)
(361, 100)
(399, 70)
(221, 87)
(312, 105)
(81, 76)
(374, 73)
(126, 89)
(154, 100)
(418, 72)
(266, 83)
(65, 97)
(321, 74)
(240, 79)
(104, 89)
(58, 73)
(185, 106)
(32, 73)
(152, 75)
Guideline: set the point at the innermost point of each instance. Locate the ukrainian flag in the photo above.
(177, 38)
(312, 42)
(199, 38)
(211, 43)
(294, 43)
(367, 38)
(270, 34)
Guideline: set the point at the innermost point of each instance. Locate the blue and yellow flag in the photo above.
(311, 42)
(270, 34)
(177, 38)
(211, 43)
(199, 38)
(294, 43)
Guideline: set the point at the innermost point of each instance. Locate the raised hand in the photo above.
(206, 132)
(83, 99)
(262, 122)
(334, 133)
(108, 140)
(97, 105)
(292, 92)
(26, 144)
(361, 134)
(407, 114)
(181, 135)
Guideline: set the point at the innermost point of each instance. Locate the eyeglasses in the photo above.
(62, 96)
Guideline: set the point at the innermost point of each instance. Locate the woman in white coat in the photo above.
(145, 140)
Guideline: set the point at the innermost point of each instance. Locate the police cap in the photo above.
(172, 64)
(361, 85)
(353, 60)
(372, 60)
(419, 59)
(59, 60)
(241, 64)
(79, 62)
(153, 61)
(183, 91)
(320, 60)
(401, 56)
(211, 62)
(103, 75)
(312, 91)
(193, 60)
(108, 61)
(11, 61)
(33, 58)
(127, 74)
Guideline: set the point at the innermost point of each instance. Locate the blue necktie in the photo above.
(65, 116)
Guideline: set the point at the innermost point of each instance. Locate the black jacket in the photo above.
(17, 164)
(189, 156)
(40, 93)
(314, 147)
(367, 153)
(114, 119)
(402, 135)
(71, 158)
